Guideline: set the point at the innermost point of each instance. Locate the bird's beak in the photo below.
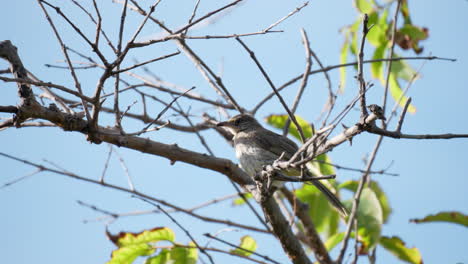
(226, 124)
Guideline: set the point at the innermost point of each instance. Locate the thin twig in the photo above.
(360, 75)
(402, 116)
(305, 78)
(287, 16)
(207, 15)
(146, 62)
(106, 164)
(163, 111)
(65, 53)
(329, 68)
(180, 226)
(283, 103)
(21, 178)
(134, 192)
(265, 257)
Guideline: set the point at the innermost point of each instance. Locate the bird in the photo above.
(257, 147)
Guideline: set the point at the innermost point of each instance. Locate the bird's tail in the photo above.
(331, 198)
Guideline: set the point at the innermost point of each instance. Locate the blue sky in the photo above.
(42, 221)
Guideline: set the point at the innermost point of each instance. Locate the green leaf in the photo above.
(363, 6)
(402, 70)
(325, 217)
(381, 196)
(278, 121)
(343, 60)
(397, 247)
(405, 12)
(369, 220)
(162, 258)
(397, 94)
(248, 243)
(448, 217)
(147, 236)
(176, 255)
(133, 245)
(183, 255)
(377, 67)
(240, 200)
(127, 254)
(324, 166)
(334, 240)
(414, 32)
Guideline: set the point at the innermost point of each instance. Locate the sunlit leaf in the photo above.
(176, 255)
(343, 59)
(402, 70)
(397, 247)
(127, 254)
(377, 67)
(397, 94)
(325, 217)
(381, 196)
(240, 200)
(363, 6)
(184, 255)
(133, 245)
(334, 240)
(404, 10)
(248, 243)
(447, 217)
(147, 236)
(409, 37)
(369, 220)
(164, 257)
(324, 166)
(278, 121)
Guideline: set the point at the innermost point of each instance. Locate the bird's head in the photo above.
(242, 122)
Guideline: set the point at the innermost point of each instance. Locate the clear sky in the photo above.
(41, 221)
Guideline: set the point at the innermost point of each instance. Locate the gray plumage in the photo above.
(256, 147)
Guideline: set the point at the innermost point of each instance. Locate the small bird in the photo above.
(257, 147)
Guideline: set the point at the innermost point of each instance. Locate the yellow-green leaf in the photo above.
(397, 94)
(246, 247)
(278, 121)
(363, 6)
(397, 247)
(334, 240)
(343, 60)
(127, 254)
(184, 255)
(402, 70)
(240, 200)
(381, 196)
(377, 67)
(147, 236)
(176, 255)
(369, 220)
(325, 217)
(448, 217)
(163, 257)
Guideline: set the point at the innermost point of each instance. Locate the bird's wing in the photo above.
(276, 144)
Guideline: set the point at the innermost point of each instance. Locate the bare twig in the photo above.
(305, 78)
(360, 75)
(65, 53)
(265, 257)
(180, 226)
(286, 17)
(283, 103)
(134, 192)
(329, 68)
(402, 116)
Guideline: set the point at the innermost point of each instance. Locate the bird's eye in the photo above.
(237, 122)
